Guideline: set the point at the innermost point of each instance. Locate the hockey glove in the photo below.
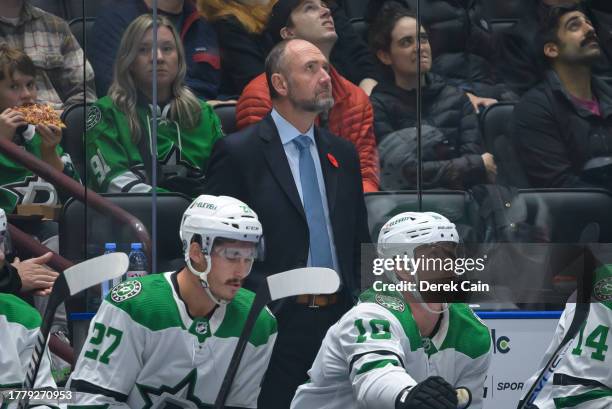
(433, 393)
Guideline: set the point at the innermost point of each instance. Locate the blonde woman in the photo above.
(119, 139)
(243, 44)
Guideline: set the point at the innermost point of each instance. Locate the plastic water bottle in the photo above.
(138, 262)
(107, 285)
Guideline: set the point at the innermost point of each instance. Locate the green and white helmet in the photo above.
(405, 232)
(212, 217)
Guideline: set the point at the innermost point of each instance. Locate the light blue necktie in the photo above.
(320, 248)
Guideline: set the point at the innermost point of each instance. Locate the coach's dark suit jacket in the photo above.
(251, 165)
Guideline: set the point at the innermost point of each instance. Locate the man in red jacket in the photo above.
(351, 116)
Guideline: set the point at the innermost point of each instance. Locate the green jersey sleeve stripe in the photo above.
(381, 363)
(377, 352)
(571, 401)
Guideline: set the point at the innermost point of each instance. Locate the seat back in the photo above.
(82, 28)
(72, 139)
(495, 128)
(227, 114)
(83, 231)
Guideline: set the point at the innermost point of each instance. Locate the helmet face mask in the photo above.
(210, 218)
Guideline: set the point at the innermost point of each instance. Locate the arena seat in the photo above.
(83, 231)
(495, 127)
(227, 114)
(81, 27)
(361, 28)
(571, 210)
(72, 139)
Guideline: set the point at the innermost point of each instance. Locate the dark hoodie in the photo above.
(452, 145)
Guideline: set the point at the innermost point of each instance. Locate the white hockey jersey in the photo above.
(144, 350)
(19, 329)
(378, 345)
(583, 379)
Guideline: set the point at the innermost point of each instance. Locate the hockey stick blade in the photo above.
(71, 281)
(307, 280)
(590, 234)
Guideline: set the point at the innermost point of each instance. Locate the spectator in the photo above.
(563, 126)
(31, 274)
(243, 45)
(197, 36)
(19, 185)
(119, 125)
(351, 115)
(520, 62)
(304, 184)
(245, 41)
(170, 337)
(462, 46)
(56, 54)
(452, 153)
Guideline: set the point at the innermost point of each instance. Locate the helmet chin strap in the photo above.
(203, 276)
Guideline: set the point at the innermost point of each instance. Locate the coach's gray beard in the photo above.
(316, 105)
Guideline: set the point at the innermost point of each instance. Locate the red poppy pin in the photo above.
(332, 160)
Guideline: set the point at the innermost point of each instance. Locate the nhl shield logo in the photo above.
(126, 290)
(390, 302)
(603, 290)
(201, 327)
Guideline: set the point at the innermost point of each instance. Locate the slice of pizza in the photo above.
(37, 114)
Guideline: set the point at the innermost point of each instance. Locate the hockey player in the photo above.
(583, 379)
(165, 340)
(19, 324)
(398, 351)
(119, 125)
(18, 184)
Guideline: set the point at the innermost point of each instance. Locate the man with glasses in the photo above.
(403, 350)
(167, 339)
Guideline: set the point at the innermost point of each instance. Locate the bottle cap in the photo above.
(136, 246)
(110, 246)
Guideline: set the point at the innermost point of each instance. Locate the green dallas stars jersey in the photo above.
(18, 185)
(19, 323)
(583, 379)
(114, 160)
(378, 345)
(144, 350)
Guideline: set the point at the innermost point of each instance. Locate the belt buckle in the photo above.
(312, 303)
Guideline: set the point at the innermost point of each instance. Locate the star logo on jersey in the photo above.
(170, 397)
(32, 190)
(393, 303)
(603, 290)
(126, 290)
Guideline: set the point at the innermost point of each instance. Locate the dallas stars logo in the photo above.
(173, 397)
(603, 290)
(390, 302)
(126, 290)
(32, 189)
